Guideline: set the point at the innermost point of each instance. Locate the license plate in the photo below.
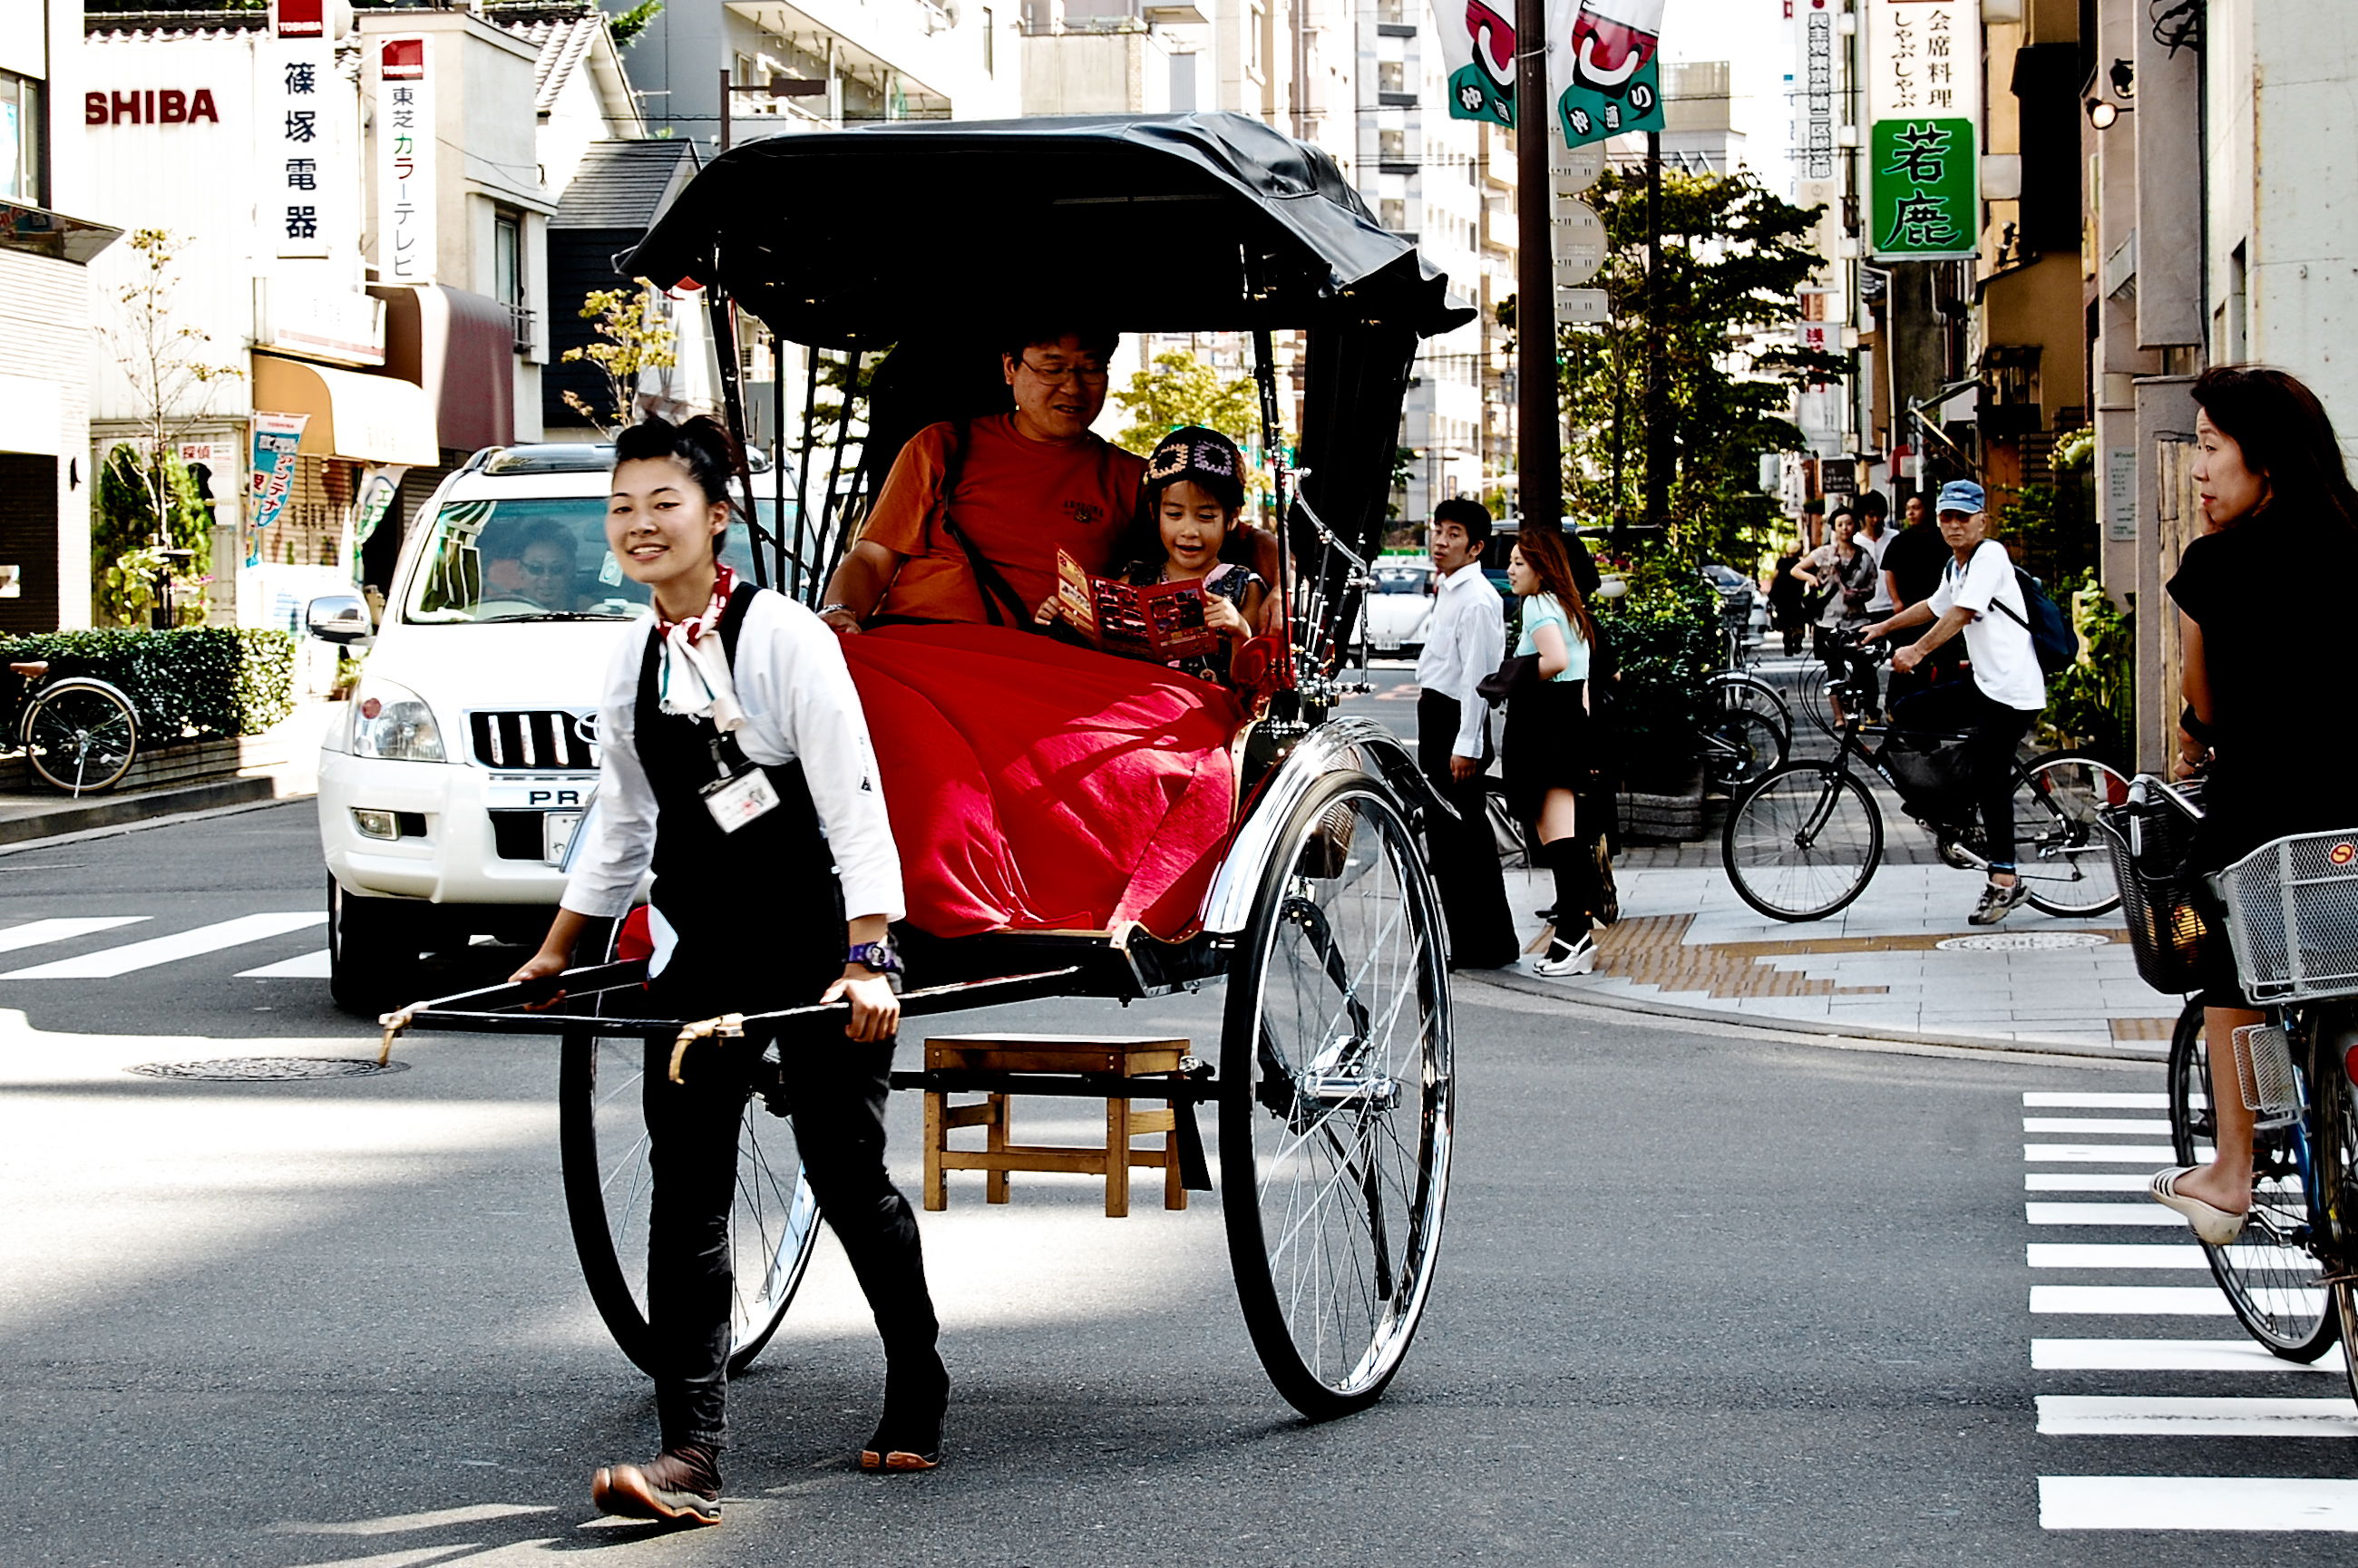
(538, 794)
(556, 830)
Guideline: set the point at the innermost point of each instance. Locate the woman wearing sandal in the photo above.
(737, 767)
(2260, 610)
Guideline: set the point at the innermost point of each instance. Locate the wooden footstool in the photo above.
(1128, 1055)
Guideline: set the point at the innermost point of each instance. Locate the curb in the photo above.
(1533, 985)
(116, 811)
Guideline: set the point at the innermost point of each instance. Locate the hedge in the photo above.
(199, 681)
(1665, 638)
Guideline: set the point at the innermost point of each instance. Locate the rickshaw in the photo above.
(1334, 1082)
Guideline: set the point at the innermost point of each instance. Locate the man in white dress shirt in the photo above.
(1465, 641)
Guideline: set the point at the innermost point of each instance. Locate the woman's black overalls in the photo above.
(759, 914)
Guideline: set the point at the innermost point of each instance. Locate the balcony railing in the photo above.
(524, 321)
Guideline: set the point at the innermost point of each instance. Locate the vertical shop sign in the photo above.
(1816, 154)
(271, 478)
(405, 160)
(1615, 81)
(2121, 494)
(297, 129)
(1924, 112)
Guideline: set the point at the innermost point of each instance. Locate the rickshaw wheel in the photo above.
(602, 1144)
(1336, 1099)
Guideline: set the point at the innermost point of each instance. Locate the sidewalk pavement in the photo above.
(286, 765)
(1900, 964)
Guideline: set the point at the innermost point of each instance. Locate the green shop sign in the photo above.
(1922, 177)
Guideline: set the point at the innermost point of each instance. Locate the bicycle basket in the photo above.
(2161, 900)
(1932, 773)
(2292, 916)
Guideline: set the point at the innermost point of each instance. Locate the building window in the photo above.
(1391, 76)
(21, 135)
(990, 44)
(1392, 212)
(1256, 19)
(1391, 146)
(507, 274)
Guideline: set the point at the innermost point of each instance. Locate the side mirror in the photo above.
(338, 618)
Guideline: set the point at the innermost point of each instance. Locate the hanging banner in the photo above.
(405, 160)
(1478, 42)
(1924, 108)
(377, 492)
(1615, 76)
(271, 477)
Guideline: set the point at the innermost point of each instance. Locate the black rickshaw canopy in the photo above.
(1161, 222)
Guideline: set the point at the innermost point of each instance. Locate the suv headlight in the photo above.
(394, 723)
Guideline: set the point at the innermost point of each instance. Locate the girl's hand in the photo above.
(539, 966)
(1222, 616)
(875, 1011)
(1046, 613)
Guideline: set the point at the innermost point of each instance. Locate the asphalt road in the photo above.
(1707, 1297)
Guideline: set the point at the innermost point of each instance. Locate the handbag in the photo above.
(1515, 673)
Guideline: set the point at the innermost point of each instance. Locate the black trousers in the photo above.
(1994, 732)
(839, 1090)
(1464, 856)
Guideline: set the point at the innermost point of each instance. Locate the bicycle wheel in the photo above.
(2333, 1138)
(1739, 748)
(2267, 1275)
(1336, 1100)
(1735, 691)
(80, 735)
(1802, 843)
(2058, 852)
(602, 1146)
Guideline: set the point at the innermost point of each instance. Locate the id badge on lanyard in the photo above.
(736, 799)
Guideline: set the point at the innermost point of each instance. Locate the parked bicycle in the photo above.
(79, 733)
(2289, 911)
(1804, 842)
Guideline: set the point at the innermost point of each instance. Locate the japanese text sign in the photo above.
(405, 160)
(297, 130)
(1924, 109)
(271, 476)
(1813, 152)
(1600, 53)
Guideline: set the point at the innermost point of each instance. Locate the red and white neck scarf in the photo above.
(692, 674)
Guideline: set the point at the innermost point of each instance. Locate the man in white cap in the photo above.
(1979, 597)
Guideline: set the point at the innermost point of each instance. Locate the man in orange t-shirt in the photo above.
(1029, 483)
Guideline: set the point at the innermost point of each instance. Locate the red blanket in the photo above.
(1037, 786)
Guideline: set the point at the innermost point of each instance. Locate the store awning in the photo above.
(364, 418)
(460, 348)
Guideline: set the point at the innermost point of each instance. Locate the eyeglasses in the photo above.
(545, 569)
(1087, 372)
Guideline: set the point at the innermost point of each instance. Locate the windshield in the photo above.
(532, 558)
(1398, 579)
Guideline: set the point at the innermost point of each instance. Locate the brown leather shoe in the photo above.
(681, 1485)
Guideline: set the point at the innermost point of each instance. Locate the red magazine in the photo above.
(1161, 621)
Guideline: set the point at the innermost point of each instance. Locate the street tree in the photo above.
(152, 508)
(1735, 258)
(1181, 389)
(637, 337)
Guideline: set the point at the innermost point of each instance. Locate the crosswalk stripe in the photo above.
(2132, 1415)
(2131, 1255)
(33, 933)
(2168, 1356)
(2115, 1124)
(2081, 1153)
(108, 962)
(2151, 1214)
(314, 967)
(2131, 1300)
(2083, 1182)
(2043, 1099)
(2196, 1502)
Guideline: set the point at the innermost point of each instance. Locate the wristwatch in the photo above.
(877, 956)
(827, 610)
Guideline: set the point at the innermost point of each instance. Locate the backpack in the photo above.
(2051, 637)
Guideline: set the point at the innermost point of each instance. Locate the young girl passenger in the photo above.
(1186, 530)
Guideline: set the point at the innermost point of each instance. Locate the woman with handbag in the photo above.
(735, 765)
(1545, 748)
(2258, 598)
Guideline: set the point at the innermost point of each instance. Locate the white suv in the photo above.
(448, 795)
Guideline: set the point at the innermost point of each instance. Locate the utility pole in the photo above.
(1658, 454)
(1539, 437)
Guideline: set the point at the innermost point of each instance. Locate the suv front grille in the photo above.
(531, 738)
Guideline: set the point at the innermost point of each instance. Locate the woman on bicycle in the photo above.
(2259, 614)
(735, 765)
(1545, 747)
(1979, 597)
(1842, 576)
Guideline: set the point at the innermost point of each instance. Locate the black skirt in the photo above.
(1545, 745)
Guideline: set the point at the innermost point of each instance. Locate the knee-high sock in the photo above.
(1571, 863)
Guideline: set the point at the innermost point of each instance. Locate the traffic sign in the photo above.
(1581, 306)
(1578, 235)
(1572, 171)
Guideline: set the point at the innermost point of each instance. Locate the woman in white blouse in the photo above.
(736, 766)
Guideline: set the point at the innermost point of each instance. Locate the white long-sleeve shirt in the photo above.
(1465, 643)
(799, 705)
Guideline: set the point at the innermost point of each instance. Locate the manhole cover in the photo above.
(2024, 942)
(255, 1069)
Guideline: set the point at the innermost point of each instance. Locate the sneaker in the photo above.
(680, 1486)
(1568, 959)
(1997, 903)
